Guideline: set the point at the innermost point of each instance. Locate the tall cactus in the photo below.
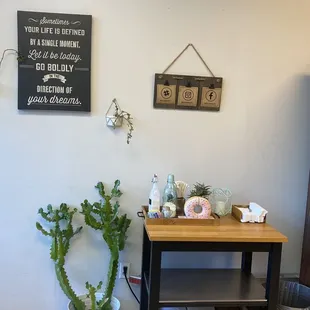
(101, 216)
(61, 234)
(104, 216)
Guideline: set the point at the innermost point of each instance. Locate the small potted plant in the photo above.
(115, 117)
(103, 216)
(201, 190)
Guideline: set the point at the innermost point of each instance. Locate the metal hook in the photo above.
(167, 83)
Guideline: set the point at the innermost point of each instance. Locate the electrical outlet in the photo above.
(121, 269)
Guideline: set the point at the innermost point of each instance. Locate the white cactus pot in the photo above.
(114, 302)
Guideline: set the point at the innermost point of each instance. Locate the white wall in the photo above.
(257, 145)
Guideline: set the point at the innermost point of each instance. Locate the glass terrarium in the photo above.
(220, 200)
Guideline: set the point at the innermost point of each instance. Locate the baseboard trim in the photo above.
(263, 276)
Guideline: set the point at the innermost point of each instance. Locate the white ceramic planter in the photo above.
(114, 121)
(114, 302)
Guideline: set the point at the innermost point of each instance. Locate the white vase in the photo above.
(114, 302)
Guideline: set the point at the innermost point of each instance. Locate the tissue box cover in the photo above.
(237, 214)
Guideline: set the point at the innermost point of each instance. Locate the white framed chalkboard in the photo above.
(56, 73)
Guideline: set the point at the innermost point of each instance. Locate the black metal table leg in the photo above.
(273, 275)
(246, 264)
(145, 268)
(155, 270)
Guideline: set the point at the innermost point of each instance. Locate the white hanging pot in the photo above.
(114, 121)
(114, 302)
(114, 116)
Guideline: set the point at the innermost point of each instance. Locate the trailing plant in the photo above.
(201, 190)
(19, 57)
(127, 117)
(104, 216)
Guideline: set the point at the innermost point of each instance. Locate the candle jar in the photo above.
(220, 200)
(167, 212)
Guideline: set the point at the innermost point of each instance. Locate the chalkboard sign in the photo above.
(56, 72)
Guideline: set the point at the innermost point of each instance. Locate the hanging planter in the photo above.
(115, 117)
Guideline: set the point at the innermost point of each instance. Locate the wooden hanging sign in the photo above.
(165, 91)
(187, 92)
(211, 92)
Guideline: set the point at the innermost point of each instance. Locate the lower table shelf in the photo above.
(209, 287)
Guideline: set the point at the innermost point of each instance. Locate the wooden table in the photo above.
(218, 288)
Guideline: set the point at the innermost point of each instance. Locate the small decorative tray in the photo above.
(178, 221)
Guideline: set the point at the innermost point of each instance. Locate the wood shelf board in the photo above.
(229, 230)
(209, 287)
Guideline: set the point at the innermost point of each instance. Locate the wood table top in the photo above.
(229, 230)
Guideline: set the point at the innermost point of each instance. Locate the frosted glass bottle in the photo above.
(154, 198)
(170, 193)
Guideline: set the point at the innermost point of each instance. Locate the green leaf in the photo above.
(61, 252)
(54, 249)
(99, 286)
(42, 230)
(92, 222)
(45, 215)
(115, 193)
(100, 187)
(116, 207)
(117, 183)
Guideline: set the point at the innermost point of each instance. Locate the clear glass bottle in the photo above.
(170, 193)
(154, 198)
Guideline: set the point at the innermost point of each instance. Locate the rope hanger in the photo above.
(176, 59)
